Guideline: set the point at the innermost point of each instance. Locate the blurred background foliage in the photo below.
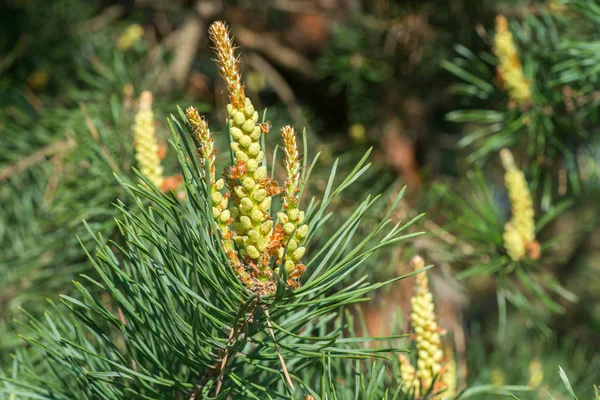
(416, 80)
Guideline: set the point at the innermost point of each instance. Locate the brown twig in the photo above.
(275, 51)
(283, 366)
(29, 161)
(7, 60)
(449, 238)
(225, 355)
(59, 168)
(184, 43)
(32, 98)
(188, 38)
(224, 362)
(281, 87)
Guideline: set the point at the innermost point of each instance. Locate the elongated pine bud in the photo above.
(510, 71)
(427, 339)
(145, 143)
(207, 150)
(519, 232)
(292, 167)
(427, 336)
(291, 219)
(228, 63)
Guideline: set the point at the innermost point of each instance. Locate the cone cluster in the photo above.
(256, 246)
(510, 71)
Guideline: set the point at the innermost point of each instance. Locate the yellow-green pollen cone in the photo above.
(427, 338)
(145, 143)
